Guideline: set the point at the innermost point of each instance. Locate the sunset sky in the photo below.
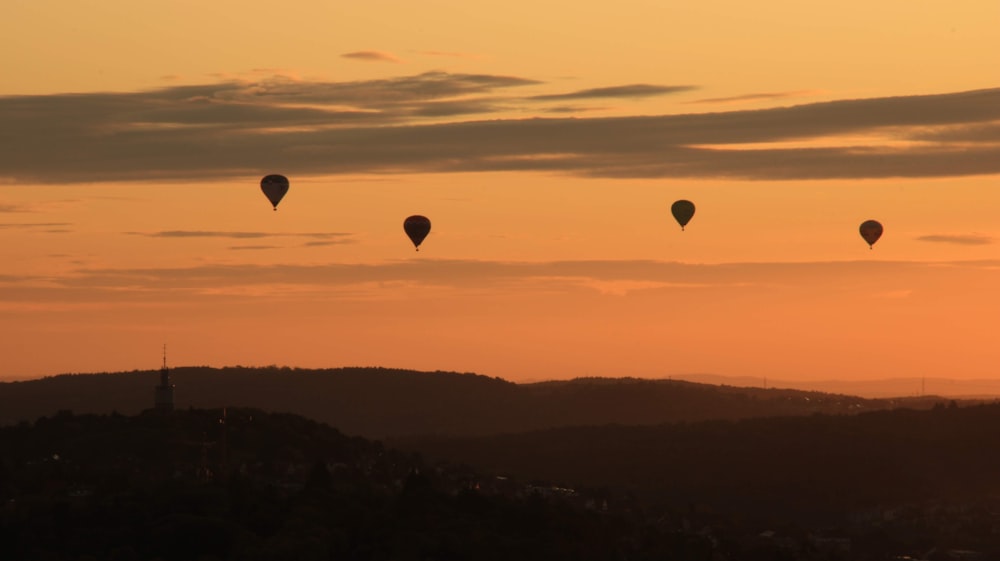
(546, 142)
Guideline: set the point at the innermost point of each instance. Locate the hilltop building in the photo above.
(165, 391)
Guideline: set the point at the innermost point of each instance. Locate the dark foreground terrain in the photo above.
(203, 484)
(818, 466)
(185, 486)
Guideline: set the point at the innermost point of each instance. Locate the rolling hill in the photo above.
(380, 402)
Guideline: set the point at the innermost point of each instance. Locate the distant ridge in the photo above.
(982, 388)
(383, 402)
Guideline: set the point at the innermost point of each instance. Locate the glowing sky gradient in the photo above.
(546, 142)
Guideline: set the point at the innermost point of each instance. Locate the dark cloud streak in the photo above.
(395, 126)
(630, 91)
(329, 242)
(481, 273)
(958, 239)
(750, 97)
(343, 280)
(239, 235)
(253, 247)
(373, 56)
(34, 225)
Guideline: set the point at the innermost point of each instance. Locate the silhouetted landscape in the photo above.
(513, 281)
(281, 487)
(381, 402)
(814, 467)
(472, 467)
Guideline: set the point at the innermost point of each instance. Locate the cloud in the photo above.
(240, 235)
(617, 284)
(422, 124)
(989, 132)
(630, 91)
(49, 226)
(254, 247)
(959, 239)
(753, 97)
(624, 287)
(200, 234)
(571, 109)
(597, 274)
(374, 56)
(329, 242)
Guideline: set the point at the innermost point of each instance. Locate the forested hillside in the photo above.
(823, 466)
(379, 402)
(257, 487)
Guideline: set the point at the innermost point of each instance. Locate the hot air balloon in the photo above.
(274, 187)
(682, 211)
(871, 231)
(417, 227)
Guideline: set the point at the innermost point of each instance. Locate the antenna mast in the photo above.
(164, 397)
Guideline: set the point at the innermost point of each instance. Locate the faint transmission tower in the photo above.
(165, 391)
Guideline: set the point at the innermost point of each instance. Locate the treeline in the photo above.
(250, 485)
(818, 466)
(379, 402)
(88, 487)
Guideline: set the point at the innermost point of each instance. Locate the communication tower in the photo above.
(165, 391)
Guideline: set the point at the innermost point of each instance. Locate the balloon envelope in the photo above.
(274, 187)
(417, 227)
(871, 231)
(682, 211)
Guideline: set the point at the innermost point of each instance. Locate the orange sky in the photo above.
(546, 144)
